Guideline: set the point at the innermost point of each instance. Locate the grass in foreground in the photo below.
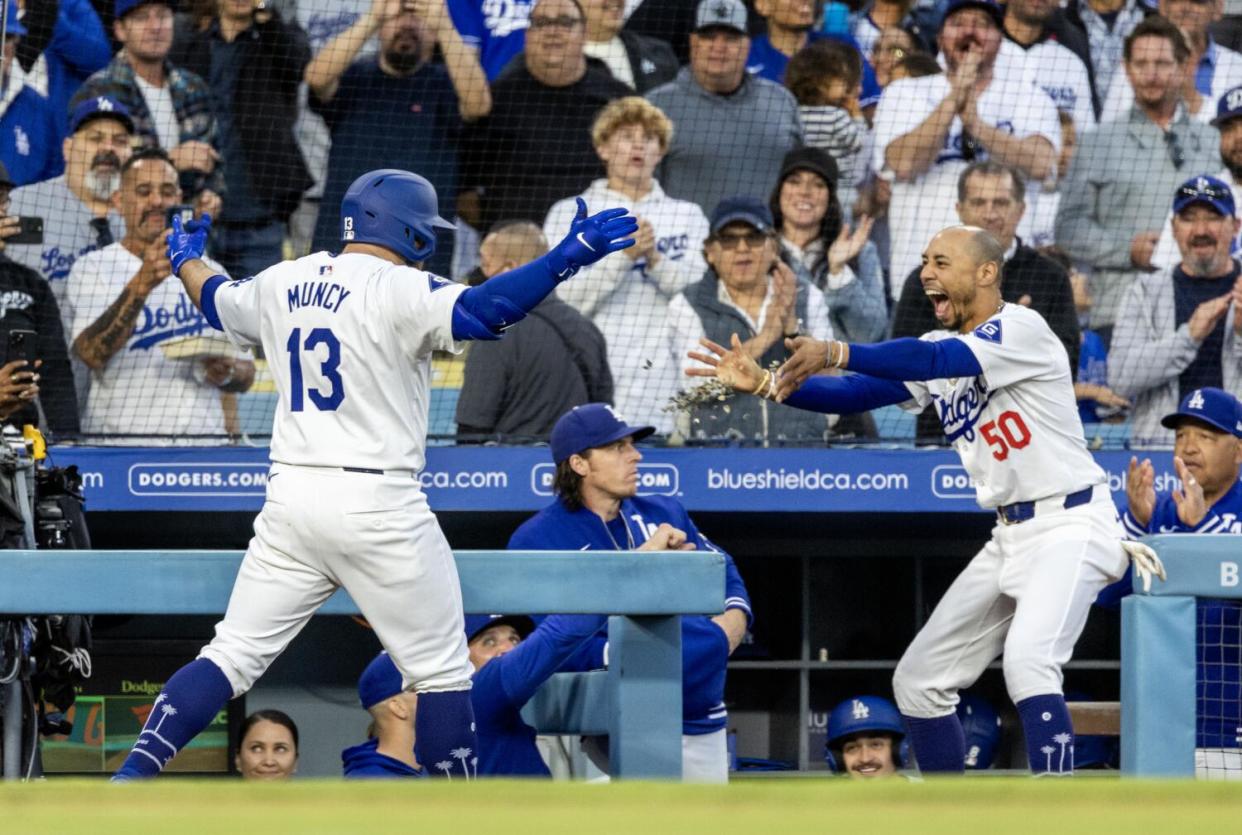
(988, 806)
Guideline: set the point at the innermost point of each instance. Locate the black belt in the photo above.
(366, 470)
(1013, 514)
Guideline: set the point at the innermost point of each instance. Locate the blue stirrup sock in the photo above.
(445, 743)
(939, 744)
(1049, 734)
(188, 703)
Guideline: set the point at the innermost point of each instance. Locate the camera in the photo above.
(186, 213)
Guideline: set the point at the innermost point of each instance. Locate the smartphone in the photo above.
(21, 346)
(31, 231)
(186, 213)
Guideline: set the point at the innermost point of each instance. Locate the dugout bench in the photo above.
(637, 702)
(1159, 634)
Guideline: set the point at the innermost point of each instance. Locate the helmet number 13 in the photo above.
(329, 370)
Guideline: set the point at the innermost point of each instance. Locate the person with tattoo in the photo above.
(136, 331)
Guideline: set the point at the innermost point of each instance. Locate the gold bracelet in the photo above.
(764, 381)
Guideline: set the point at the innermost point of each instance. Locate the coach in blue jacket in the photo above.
(597, 508)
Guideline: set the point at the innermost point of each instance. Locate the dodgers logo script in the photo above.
(959, 412)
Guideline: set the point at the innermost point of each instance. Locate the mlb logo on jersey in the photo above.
(861, 711)
(991, 331)
(326, 269)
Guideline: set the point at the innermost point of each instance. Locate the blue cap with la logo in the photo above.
(1229, 106)
(590, 426)
(1213, 406)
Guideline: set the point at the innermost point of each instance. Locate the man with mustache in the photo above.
(1180, 329)
(865, 737)
(123, 307)
(1229, 122)
(170, 106)
(927, 130)
(396, 109)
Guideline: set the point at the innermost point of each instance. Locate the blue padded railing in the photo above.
(638, 701)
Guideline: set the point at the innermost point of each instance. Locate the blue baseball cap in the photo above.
(124, 7)
(99, 107)
(1208, 191)
(379, 681)
(1213, 406)
(742, 209)
(590, 426)
(994, 10)
(477, 623)
(1229, 106)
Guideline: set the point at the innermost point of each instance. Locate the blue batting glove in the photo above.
(592, 238)
(187, 242)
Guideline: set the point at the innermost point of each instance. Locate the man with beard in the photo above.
(1116, 194)
(123, 308)
(1180, 329)
(170, 106)
(396, 109)
(927, 130)
(1229, 122)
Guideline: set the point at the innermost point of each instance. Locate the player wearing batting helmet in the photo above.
(865, 738)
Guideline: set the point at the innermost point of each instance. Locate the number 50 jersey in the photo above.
(1016, 425)
(348, 339)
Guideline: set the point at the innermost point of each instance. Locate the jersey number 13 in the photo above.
(329, 371)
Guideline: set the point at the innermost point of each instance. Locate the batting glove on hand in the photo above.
(187, 242)
(1146, 563)
(592, 238)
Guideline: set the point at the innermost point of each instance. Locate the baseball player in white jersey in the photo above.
(349, 340)
(1000, 380)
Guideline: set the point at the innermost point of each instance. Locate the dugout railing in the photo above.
(1162, 697)
(637, 702)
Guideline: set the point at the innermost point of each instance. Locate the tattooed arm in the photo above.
(106, 335)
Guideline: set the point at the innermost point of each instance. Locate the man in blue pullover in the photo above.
(390, 750)
(597, 508)
(1000, 381)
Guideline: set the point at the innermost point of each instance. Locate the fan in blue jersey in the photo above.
(597, 508)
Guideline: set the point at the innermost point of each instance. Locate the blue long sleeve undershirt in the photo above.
(915, 359)
(846, 395)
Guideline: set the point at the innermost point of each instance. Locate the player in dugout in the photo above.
(597, 507)
(1001, 383)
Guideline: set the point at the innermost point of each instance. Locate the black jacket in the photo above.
(266, 104)
(26, 303)
(670, 21)
(651, 60)
(1027, 273)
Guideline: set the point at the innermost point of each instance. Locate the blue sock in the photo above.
(939, 744)
(186, 705)
(445, 743)
(1049, 734)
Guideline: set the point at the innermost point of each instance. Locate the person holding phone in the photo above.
(36, 383)
(749, 291)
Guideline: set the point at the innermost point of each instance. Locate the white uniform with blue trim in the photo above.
(348, 339)
(1028, 592)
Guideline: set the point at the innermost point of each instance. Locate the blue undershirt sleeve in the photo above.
(485, 311)
(915, 359)
(848, 394)
(207, 300)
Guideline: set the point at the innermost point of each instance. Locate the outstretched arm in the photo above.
(487, 310)
(896, 359)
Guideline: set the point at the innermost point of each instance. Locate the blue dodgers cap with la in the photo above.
(994, 10)
(124, 7)
(99, 107)
(1228, 107)
(590, 426)
(1207, 191)
(477, 623)
(741, 209)
(1213, 406)
(379, 681)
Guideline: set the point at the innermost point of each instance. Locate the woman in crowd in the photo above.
(267, 746)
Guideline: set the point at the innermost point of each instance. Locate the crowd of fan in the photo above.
(788, 164)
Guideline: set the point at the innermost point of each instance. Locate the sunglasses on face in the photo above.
(753, 239)
(562, 22)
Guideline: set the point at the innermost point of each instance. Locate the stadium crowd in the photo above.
(787, 162)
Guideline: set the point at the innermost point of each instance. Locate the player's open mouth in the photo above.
(940, 302)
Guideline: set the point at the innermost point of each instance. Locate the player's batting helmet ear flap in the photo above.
(395, 209)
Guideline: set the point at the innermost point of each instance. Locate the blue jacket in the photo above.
(766, 61)
(79, 47)
(29, 147)
(503, 685)
(704, 646)
(1218, 654)
(364, 761)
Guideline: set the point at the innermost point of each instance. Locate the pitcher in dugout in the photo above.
(1000, 380)
(349, 338)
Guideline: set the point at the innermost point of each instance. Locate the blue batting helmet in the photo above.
(864, 715)
(982, 729)
(395, 209)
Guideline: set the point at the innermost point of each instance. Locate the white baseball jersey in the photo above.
(1016, 425)
(922, 207)
(348, 339)
(1053, 68)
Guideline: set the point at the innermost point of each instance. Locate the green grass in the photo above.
(782, 807)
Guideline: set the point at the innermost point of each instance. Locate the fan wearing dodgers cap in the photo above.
(1180, 329)
(389, 752)
(597, 507)
(1229, 122)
